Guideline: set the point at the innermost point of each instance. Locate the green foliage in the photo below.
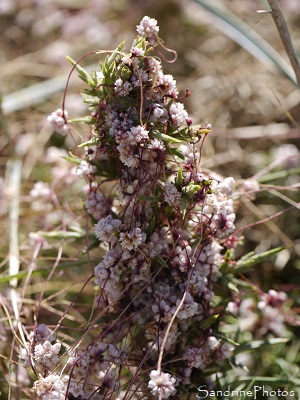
(250, 259)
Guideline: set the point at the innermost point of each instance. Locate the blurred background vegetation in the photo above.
(254, 110)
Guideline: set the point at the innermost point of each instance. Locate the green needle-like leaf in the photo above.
(258, 344)
(83, 74)
(208, 321)
(244, 263)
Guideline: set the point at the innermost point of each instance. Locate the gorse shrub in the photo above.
(165, 281)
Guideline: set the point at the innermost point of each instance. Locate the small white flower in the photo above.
(46, 354)
(226, 187)
(58, 121)
(55, 155)
(178, 114)
(188, 309)
(41, 194)
(172, 196)
(158, 112)
(137, 134)
(52, 387)
(40, 189)
(161, 310)
(132, 239)
(148, 29)
(250, 186)
(109, 280)
(224, 351)
(42, 333)
(85, 168)
(127, 156)
(155, 68)
(137, 52)
(232, 308)
(162, 384)
(156, 145)
(169, 85)
(122, 88)
(97, 205)
(139, 75)
(288, 155)
(106, 228)
(198, 357)
(213, 343)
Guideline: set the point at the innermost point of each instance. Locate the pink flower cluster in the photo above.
(163, 222)
(58, 120)
(262, 315)
(166, 228)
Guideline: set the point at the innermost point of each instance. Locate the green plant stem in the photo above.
(285, 36)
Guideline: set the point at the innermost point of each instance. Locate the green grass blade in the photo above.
(276, 379)
(247, 38)
(44, 271)
(258, 344)
(208, 321)
(272, 176)
(244, 263)
(247, 388)
(168, 138)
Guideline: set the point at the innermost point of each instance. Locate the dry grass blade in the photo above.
(285, 36)
(32, 95)
(35, 94)
(14, 168)
(247, 38)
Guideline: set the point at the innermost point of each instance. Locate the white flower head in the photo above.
(58, 121)
(137, 52)
(84, 168)
(158, 112)
(169, 84)
(162, 384)
(127, 155)
(188, 309)
(52, 387)
(137, 134)
(178, 114)
(106, 228)
(132, 239)
(40, 189)
(148, 29)
(46, 354)
(97, 204)
(122, 88)
(156, 145)
(172, 195)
